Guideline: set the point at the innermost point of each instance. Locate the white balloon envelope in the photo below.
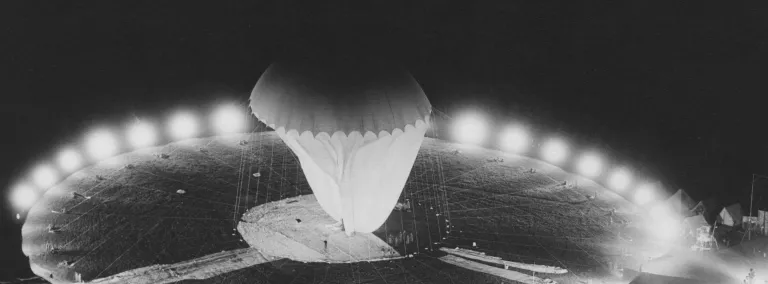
(356, 127)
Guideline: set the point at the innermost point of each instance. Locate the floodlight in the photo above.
(228, 119)
(644, 194)
(101, 144)
(660, 212)
(70, 160)
(554, 151)
(619, 180)
(142, 134)
(515, 140)
(590, 165)
(470, 129)
(183, 125)
(18, 217)
(665, 229)
(24, 196)
(44, 176)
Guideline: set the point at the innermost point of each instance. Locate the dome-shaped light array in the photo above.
(470, 129)
(515, 139)
(44, 176)
(554, 151)
(183, 125)
(70, 160)
(228, 119)
(23, 196)
(644, 194)
(101, 144)
(142, 134)
(620, 179)
(590, 165)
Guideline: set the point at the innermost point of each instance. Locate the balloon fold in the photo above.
(356, 127)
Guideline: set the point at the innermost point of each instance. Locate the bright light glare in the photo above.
(70, 160)
(619, 180)
(228, 119)
(515, 140)
(24, 197)
(663, 223)
(183, 125)
(661, 212)
(470, 129)
(141, 135)
(101, 144)
(554, 151)
(590, 165)
(644, 194)
(45, 176)
(665, 229)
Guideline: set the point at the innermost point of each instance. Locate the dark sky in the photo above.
(673, 87)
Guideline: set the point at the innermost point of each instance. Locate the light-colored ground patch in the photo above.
(506, 274)
(294, 228)
(469, 254)
(201, 268)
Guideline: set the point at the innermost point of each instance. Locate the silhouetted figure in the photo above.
(750, 277)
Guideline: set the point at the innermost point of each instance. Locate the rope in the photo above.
(271, 168)
(240, 171)
(411, 204)
(261, 154)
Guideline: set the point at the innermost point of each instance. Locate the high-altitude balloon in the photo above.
(355, 124)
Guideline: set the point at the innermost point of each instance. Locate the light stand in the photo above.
(751, 198)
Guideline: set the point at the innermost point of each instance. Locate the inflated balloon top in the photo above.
(338, 93)
(355, 123)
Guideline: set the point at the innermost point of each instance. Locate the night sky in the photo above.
(676, 89)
